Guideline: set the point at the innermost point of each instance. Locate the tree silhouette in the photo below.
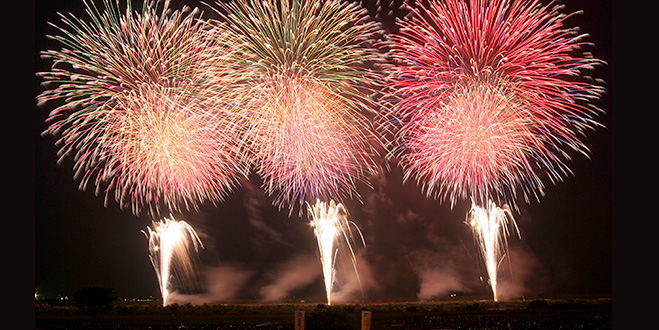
(94, 300)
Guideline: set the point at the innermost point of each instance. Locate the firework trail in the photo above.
(486, 97)
(137, 108)
(306, 88)
(490, 228)
(169, 245)
(334, 235)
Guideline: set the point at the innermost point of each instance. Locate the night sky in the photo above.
(415, 246)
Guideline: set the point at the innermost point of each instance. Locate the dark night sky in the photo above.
(414, 245)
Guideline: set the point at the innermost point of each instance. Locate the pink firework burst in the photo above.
(158, 149)
(139, 110)
(487, 95)
(305, 145)
(306, 89)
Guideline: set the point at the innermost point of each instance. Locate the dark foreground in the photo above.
(535, 314)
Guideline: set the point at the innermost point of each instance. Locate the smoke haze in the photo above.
(415, 248)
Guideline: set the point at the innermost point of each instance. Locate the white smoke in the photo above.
(353, 285)
(522, 273)
(223, 285)
(293, 274)
(438, 282)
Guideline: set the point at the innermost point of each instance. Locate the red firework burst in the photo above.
(486, 95)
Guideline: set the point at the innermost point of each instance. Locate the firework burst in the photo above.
(486, 96)
(138, 109)
(306, 86)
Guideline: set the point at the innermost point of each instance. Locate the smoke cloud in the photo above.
(437, 282)
(223, 285)
(522, 275)
(415, 248)
(294, 274)
(354, 285)
(443, 268)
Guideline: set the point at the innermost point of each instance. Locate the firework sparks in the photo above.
(138, 110)
(486, 95)
(305, 86)
(490, 228)
(169, 245)
(333, 235)
(305, 89)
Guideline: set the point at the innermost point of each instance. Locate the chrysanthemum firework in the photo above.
(137, 109)
(488, 96)
(306, 89)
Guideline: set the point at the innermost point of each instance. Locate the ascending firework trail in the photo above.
(335, 238)
(486, 95)
(306, 85)
(170, 241)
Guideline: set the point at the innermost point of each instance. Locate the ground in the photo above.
(572, 313)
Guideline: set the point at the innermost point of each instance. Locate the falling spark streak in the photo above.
(490, 227)
(169, 243)
(333, 233)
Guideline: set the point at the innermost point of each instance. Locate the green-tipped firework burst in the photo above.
(306, 88)
(137, 109)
